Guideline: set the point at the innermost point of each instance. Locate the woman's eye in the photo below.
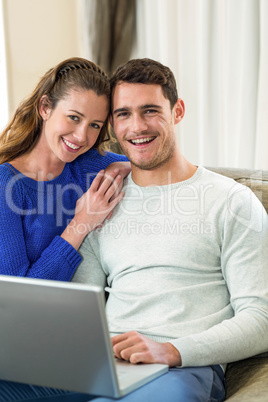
(95, 125)
(74, 118)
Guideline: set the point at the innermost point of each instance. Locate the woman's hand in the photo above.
(124, 168)
(94, 206)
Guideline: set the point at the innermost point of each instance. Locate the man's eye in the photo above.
(122, 114)
(150, 111)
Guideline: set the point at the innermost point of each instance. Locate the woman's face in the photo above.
(72, 128)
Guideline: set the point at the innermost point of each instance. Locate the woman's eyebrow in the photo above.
(82, 115)
(76, 111)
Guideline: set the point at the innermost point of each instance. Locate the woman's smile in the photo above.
(70, 146)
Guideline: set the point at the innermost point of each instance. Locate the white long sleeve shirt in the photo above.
(186, 263)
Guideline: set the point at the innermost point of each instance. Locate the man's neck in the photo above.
(170, 173)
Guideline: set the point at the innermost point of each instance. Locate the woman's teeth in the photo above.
(70, 145)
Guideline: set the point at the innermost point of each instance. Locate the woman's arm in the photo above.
(51, 256)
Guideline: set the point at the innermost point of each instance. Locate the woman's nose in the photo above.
(81, 133)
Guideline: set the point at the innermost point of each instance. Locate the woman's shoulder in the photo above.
(93, 161)
(9, 185)
(6, 172)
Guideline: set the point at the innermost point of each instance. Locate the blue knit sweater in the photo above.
(34, 214)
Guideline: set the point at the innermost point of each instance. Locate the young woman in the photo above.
(49, 199)
(49, 155)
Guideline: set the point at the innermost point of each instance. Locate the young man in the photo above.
(184, 257)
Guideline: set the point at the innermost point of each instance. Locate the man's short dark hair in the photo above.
(147, 71)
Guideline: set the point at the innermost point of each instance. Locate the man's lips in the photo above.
(141, 141)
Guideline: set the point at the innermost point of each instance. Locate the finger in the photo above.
(140, 357)
(122, 337)
(119, 186)
(97, 181)
(112, 191)
(135, 354)
(99, 226)
(123, 351)
(118, 338)
(126, 344)
(116, 201)
(108, 180)
(110, 215)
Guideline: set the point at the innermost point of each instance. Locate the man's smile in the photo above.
(142, 141)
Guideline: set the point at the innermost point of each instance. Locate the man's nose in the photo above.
(138, 123)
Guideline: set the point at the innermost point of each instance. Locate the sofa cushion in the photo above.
(247, 380)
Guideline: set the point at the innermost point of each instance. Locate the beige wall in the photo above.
(39, 34)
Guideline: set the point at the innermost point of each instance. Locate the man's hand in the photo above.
(137, 348)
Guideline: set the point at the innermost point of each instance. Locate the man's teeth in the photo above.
(70, 145)
(142, 140)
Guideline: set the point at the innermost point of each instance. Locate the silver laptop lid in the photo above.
(51, 332)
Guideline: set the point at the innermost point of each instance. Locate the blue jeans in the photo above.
(190, 384)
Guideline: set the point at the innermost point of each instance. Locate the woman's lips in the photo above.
(70, 146)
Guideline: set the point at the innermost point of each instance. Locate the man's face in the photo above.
(144, 124)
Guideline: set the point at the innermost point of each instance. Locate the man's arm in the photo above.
(90, 270)
(244, 261)
(245, 270)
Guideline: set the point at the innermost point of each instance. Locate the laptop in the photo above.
(55, 334)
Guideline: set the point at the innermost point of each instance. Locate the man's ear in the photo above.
(179, 110)
(44, 107)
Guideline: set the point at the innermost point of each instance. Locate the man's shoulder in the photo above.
(210, 175)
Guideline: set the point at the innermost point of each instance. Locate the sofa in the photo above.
(247, 380)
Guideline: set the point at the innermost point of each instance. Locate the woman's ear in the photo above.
(44, 107)
(179, 110)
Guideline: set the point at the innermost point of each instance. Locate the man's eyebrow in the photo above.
(150, 106)
(121, 109)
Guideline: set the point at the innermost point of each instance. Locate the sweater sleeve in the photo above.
(58, 260)
(90, 270)
(245, 269)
